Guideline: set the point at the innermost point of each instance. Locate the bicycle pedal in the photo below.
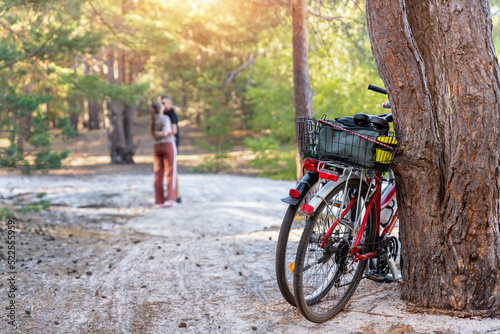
(390, 279)
(374, 276)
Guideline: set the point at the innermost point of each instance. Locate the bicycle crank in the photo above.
(386, 271)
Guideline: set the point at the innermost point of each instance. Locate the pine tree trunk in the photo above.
(432, 57)
(93, 115)
(74, 114)
(93, 106)
(109, 61)
(301, 84)
(74, 119)
(120, 137)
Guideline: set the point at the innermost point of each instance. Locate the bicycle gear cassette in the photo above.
(390, 246)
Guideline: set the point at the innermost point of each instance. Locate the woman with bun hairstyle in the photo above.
(165, 160)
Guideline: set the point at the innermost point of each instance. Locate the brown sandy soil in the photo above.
(103, 259)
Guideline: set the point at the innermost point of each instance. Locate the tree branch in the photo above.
(34, 53)
(270, 4)
(328, 18)
(102, 18)
(239, 69)
(113, 31)
(9, 28)
(78, 63)
(286, 4)
(200, 46)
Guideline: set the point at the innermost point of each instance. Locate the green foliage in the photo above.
(25, 107)
(272, 159)
(11, 155)
(36, 206)
(212, 164)
(6, 213)
(186, 49)
(46, 159)
(129, 94)
(218, 125)
(67, 130)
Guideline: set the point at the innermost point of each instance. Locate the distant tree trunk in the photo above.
(301, 84)
(135, 66)
(439, 65)
(121, 115)
(120, 136)
(74, 113)
(24, 122)
(128, 124)
(25, 128)
(19, 119)
(93, 115)
(74, 119)
(93, 105)
(109, 61)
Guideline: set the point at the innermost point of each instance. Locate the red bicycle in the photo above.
(345, 239)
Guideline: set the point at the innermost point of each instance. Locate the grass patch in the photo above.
(274, 160)
(212, 164)
(7, 213)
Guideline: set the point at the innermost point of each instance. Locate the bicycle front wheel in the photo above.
(326, 277)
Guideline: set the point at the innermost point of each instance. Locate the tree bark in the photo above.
(74, 114)
(93, 105)
(439, 66)
(109, 60)
(74, 119)
(301, 84)
(93, 115)
(120, 139)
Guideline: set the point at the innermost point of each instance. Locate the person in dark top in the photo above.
(171, 112)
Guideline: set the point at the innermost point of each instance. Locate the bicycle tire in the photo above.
(291, 229)
(322, 293)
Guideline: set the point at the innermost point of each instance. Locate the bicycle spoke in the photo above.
(325, 274)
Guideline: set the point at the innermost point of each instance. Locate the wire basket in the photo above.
(361, 147)
(307, 132)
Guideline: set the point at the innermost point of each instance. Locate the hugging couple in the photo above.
(165, 132)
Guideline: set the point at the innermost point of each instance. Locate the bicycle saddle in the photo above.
(379, 122)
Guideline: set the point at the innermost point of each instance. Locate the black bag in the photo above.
(339, 145)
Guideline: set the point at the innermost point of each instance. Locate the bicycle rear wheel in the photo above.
(288, 240)
(326, 277)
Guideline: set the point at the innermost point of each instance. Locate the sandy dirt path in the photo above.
(102, 259)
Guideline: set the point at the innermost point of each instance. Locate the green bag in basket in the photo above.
(339, 145)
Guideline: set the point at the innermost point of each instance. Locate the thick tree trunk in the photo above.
(120, 139)
(301, 84)
(431, 57)
(128, 123)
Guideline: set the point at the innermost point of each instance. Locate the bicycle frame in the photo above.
(374, 195)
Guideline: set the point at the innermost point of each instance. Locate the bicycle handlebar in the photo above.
(377, 89)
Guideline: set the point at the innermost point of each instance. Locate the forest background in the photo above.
(70, 64)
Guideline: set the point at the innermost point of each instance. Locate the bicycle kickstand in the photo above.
(392, 266)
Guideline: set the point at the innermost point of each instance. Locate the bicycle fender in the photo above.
(307, 182)
(324, 191)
